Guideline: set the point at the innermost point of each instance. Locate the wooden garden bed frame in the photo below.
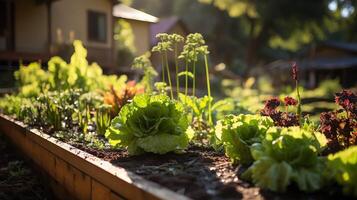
(75, 174)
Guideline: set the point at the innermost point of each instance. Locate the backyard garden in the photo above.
(238, 140)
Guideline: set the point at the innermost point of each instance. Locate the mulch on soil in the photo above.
(200, 173)
(17, 180)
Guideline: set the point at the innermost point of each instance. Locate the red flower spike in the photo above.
(289, 101)
(295, 71)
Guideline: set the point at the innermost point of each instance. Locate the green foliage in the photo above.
(151, 123)
(102, 118)
(143, 63)
(87, 103)
(288, 155)
(342, 167)
(238, 133)
(326, 89)
(61, 76)
(124, 41)
(197, 112)
(163, 47)
(248, 97)
(11, 104)
(235, 8)
(161, 87)
(31, 79)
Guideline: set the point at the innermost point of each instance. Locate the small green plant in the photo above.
(143, 63)
(342, 167)
(288, 155)
(102, 118)
(53, 111)
(239, 133)
(151, 123)
(163, 47)
(195, 46)
(31, 80)
(27, 113)
(87, 103)
(190, 53)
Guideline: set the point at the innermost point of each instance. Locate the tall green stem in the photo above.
(177, 78)
(186, 80)
(162, 68)
(168, 75)
(208, 91)
(298, 109)
(186, 77)
(194, 79)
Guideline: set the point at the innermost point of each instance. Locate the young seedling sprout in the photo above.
(163, 47)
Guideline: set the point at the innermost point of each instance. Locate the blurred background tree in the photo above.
(124, 38)
(245, 33)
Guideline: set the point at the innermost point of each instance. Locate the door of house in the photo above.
(6, 25)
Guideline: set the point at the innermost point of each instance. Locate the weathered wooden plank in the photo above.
(70, 162)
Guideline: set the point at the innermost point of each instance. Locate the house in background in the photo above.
(331, 60)
(140, 23)
(32, 30)
(167, 25)
(326, 60)
(35, 29)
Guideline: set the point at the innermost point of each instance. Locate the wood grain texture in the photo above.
(82, 175)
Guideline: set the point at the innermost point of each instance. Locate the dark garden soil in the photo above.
(200, 173)
(18, 181)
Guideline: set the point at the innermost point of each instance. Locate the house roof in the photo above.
(126, 12)
(164, 26)
(351, 47)
(318, 63)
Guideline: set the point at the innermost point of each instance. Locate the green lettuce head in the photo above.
(342, 166)
(238, 133)
(288, 155)
(150, 123)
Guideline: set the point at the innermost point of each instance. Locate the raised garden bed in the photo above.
(78, 174)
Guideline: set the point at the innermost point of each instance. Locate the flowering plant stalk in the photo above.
(175, 40)
(295, 72)
(163, 47)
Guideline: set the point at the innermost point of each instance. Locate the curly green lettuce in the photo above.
(342, 166)
(288, 155)
(238, 133)
(150, 123)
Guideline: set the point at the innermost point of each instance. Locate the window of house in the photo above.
(97, 26)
